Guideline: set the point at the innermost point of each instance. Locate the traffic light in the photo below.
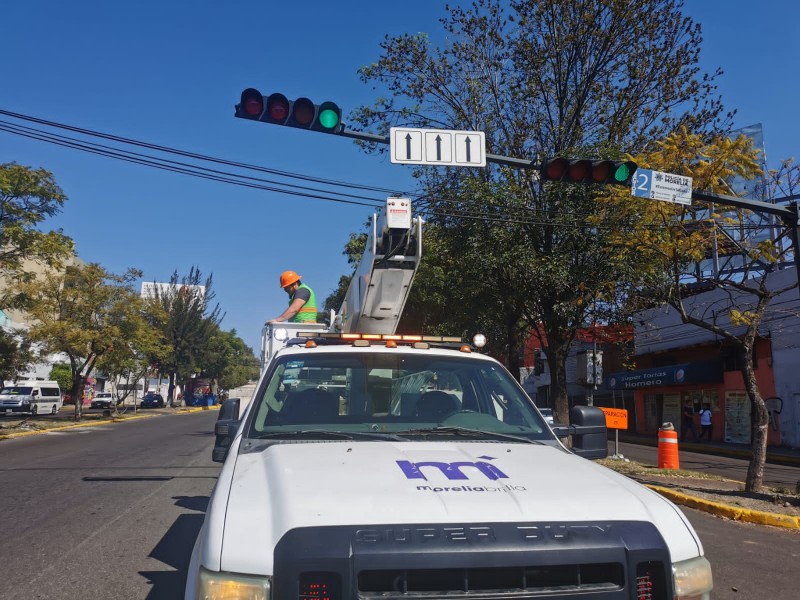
(279, 110)
(583, 170)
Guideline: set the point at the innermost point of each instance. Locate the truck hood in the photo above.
(302, 484)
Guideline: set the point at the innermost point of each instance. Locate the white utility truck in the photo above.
(376, 466)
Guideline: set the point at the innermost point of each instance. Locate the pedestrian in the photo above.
(705, 422)
(302, 301)
(687, 421)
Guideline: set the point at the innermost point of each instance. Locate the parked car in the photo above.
(103, 400)
(152, 401)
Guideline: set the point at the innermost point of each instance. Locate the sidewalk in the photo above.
(775, 454)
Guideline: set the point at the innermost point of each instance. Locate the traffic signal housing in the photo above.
(584, 170)
(302, 113)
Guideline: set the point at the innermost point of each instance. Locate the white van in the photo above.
(35, 397)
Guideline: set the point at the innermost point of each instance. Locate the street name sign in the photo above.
(440, 147)
(657, 185)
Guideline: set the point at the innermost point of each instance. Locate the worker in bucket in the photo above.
(302, 301)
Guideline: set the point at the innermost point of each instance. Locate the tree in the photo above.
(27, 197)
(15, 355)
(132, 358)
(732, 303)
(189, 325)
(583, 77)
(84, 312)
(229, 360)
(62, 373)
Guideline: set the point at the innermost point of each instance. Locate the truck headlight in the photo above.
(692, 579)
(212, 585)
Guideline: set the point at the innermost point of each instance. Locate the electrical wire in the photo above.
(506, 213)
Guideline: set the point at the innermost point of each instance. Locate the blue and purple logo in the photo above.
(453, 471)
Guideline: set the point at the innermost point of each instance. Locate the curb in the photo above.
(730, 512)
(185, 410)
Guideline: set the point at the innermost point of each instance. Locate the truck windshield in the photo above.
(392, 392)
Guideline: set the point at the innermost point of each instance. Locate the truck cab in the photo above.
(389, 466)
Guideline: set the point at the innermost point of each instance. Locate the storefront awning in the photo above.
(704, 372)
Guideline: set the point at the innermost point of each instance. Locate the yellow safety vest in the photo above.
(308, 313)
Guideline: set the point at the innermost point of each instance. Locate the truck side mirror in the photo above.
(225, 429)
(587, 426)
(590, 438)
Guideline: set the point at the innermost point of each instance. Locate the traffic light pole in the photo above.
(789, 215)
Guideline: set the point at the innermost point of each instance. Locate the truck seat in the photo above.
(435, 405)
(310, 406)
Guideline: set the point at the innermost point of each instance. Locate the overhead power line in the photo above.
(507, 213)
(187, 168)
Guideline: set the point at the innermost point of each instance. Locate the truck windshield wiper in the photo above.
(465, 431)
(330, 434)
(306, 433)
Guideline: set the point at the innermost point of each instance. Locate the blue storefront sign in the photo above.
(670, 375)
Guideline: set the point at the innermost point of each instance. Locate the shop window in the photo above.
(700, 397)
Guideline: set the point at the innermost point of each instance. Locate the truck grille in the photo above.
(621, 560)
(487, 582)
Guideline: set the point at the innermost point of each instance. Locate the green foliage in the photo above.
(62, 373)
(189, 323)
(84, 312)
(143, 346)
(229, 360)
(15, 355)
(28, 197)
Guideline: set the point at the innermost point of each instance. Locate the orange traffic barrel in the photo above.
(668, 447)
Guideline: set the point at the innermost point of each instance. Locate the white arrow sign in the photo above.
(441, 147)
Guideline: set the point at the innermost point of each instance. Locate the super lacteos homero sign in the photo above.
(670, 375)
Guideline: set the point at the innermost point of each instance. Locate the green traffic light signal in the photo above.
(624, 172)
(329, 116)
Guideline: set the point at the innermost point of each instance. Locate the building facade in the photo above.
(677, 362)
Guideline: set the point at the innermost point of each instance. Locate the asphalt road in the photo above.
(749, 562)
(112, 512)
(104, 512)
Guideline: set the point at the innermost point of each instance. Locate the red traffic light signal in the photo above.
(583, 170)
(277, 109)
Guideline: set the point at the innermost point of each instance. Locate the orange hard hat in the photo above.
(288, 278)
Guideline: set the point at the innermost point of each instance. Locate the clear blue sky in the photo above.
(170, 73)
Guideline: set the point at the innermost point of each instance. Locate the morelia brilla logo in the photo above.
(458, 471)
